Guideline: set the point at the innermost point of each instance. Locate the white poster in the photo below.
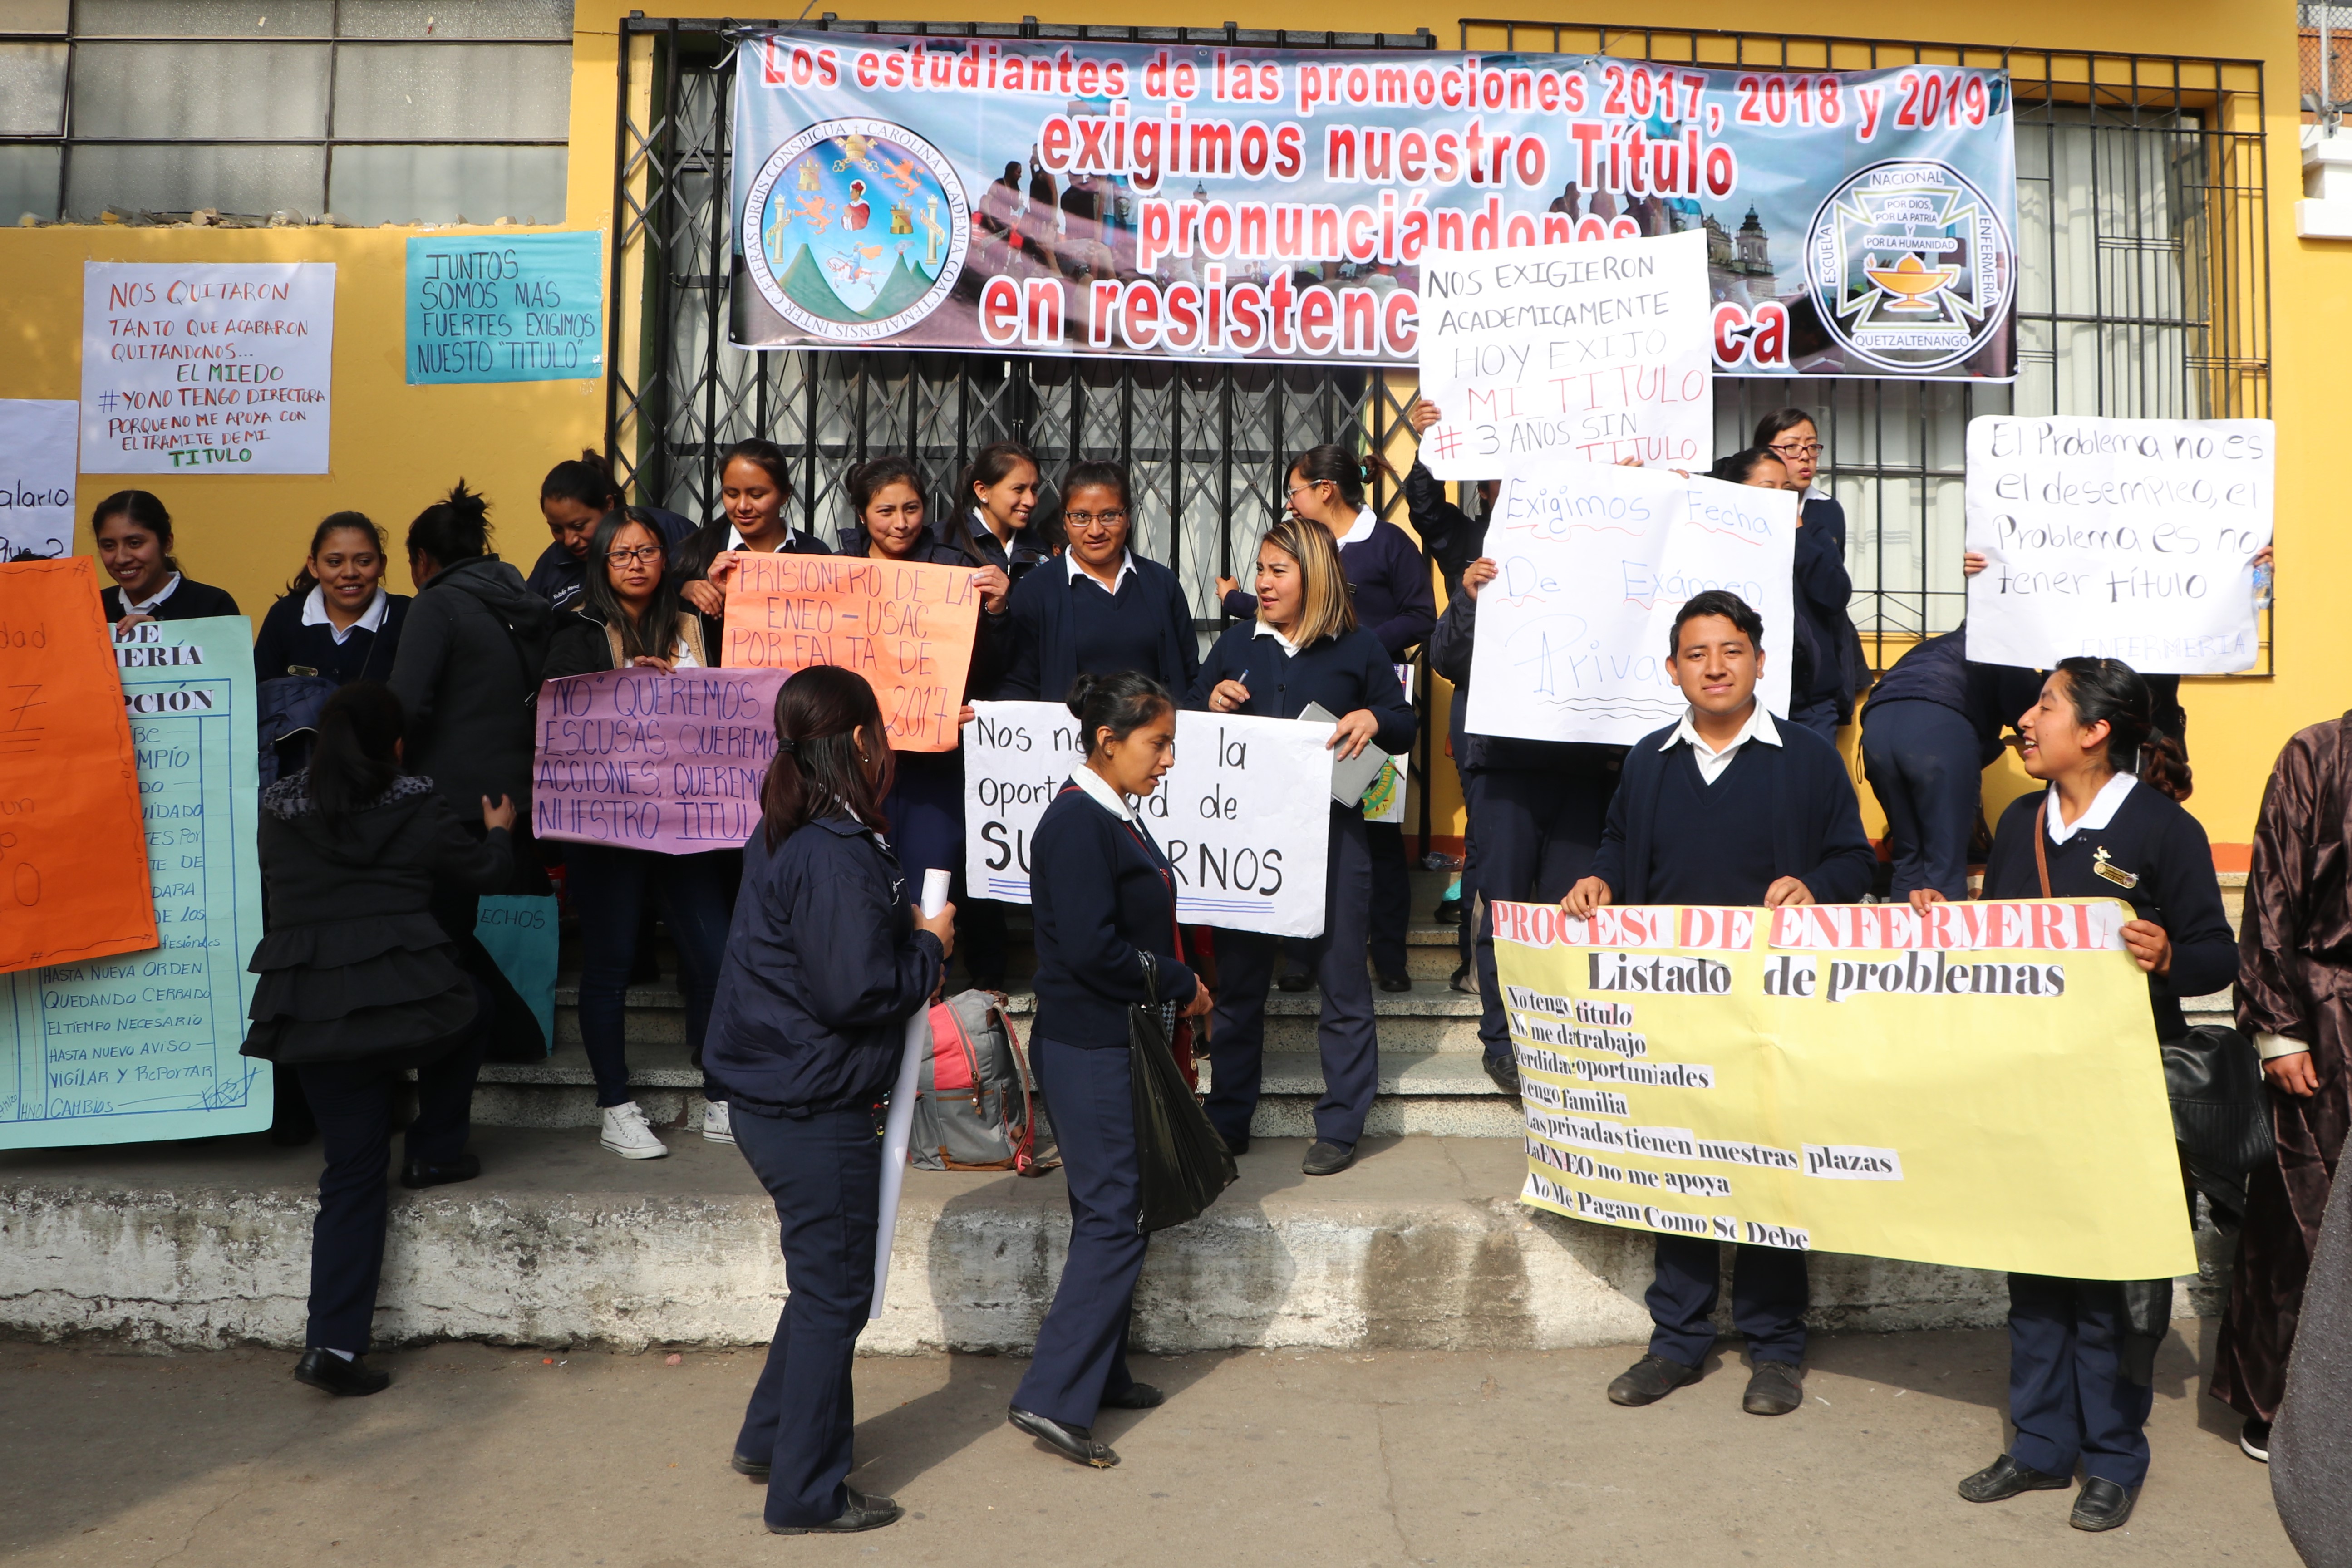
(2129, 539)
(206, 368)
(1598, 350)
(1593, 562)
(1243, 816)
(37, 479)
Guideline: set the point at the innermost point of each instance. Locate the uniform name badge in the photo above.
(2103, 867)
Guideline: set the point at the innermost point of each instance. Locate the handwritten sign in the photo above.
(1598, 350)
(2129, 539)
(143, 1044)
(641, 759)
(1573, 634)
(206, 368)
(1244, 816)
(526, 309)
(907, 627)
(37, 478)
(73, 883)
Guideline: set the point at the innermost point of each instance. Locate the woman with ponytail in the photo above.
(359, 984)
(574, 498)
(2108, 825)
(826, 962)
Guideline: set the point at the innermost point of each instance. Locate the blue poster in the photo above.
(144, 1045)
(483, 309)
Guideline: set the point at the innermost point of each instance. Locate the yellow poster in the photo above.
(1979, 1086)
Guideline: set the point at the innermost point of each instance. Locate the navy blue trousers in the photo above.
(609, 888)
(1537, 829)
(1392, 896)
(1082, 1345)
(825, 1170)
(1820, 718)
(1769, 1291)
(1346, 1034)
(1920, 758)
(2067, 1393)
(925, 808)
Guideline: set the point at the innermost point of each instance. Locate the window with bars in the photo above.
(372, 111)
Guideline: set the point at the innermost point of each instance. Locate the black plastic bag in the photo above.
(2220, 1115)
(1184, 1165)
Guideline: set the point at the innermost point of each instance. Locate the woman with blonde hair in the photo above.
(1305, 649)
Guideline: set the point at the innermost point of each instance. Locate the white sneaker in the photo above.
(626, 1134)
(715, 1125)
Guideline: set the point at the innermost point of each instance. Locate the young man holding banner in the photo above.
(1726, 807)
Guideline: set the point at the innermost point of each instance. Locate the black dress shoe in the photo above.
(1448, 912)
(1328, 1159)
(330, 1373)
(1138, 1397)
(1295, 982)
(2005, 1478)
(1070, 1442)
(1774, 1388)
(860, 1513)
(416, 1174)
(754, 1469)
(1504, 1071)
(1395, 982)
(1649, 1379)
(2102, 1504)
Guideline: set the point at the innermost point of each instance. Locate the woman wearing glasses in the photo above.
(629, 616)
(1821, 692)
(1101, 608)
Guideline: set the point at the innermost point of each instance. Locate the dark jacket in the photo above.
(285, 643)
(1044, 656)
(557, 576)
(582, 643)
(1099, 892)
(1028, 548)
(1342, 673)
(824, 968)
(467, 672)
(1450, 649)
(1822, 589)
(2153, 838)
(1388, 579)
(1989, 696)
(353, 968)
(992, 643)
(691, 560)
(191, 601)
(1816, 835)
(1452, 536)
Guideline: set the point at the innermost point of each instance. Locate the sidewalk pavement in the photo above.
(479, 1457)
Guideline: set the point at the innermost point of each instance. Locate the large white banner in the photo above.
(37, 479)
(2129, 539)
(1594, 562)
(1598, 350)
(205, 367)
(1243, 816)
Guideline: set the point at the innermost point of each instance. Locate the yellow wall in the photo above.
(395, 446)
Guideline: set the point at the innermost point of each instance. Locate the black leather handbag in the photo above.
(2221, 1112)
(1185, 1164)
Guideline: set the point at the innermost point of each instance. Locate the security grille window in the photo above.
(372, 111)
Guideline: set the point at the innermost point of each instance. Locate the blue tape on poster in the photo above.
(487, 309)
(521, 933)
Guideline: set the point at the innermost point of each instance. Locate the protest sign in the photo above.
(1978, 1086)
(2129, 539)
(640, 760)
(37, 478)
(1597, 352)
(1240, 202)
(72, 876)
(526, 309)
(1593, 562)
(143, 1044)
(907, 627)
(1244, 816)
(206, 367)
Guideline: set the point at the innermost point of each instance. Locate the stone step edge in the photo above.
(1407, 1074)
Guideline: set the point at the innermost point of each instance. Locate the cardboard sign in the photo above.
(2129, 539)
(1244, 816)
(526, 309)
(1597, 352)
(640, 760)
(1979, 1087)
(143, 1044)
(37, 478)
(907, 627)
(73, 877)
(1595, 561)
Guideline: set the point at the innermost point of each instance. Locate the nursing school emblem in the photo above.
(1910, 268)
(855, 229)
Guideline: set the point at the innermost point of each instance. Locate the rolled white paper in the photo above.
(900, 1123)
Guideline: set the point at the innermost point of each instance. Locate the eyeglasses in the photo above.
(1798, 449)
(647, 554)
(1088, 519)
(1292, 493)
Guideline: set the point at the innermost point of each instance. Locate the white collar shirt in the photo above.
(147, 606)
(1362, 530)
(1080, 574)
(1099, 791)
(1288, 647)
(2104, 806)
(314, 614)
(1711, 762)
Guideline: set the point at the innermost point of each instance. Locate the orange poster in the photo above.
(73, 846)
(907, 627)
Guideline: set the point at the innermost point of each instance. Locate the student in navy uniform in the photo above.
(1388, 580)
(574, 498)
(1103, 901)
(754, 484)
(1930, 729)
(2082, 1352)
(335, 620)
(1000, 494)
(1724, 807)
(1305, 649)
(826, 962)
(1823, 588)
(1104, 608)
(134, 545)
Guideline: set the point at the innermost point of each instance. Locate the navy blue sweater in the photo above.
(1940, 672)
(1802, 787)
(1100, 891)
(191, 601)
(285, 642)
(1388, 578)
(1063, 627)
(557, 576)
(1823, 590)
(976, 540)
(824, 968)
(1342, 673)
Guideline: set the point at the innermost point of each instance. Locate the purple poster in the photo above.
(641, 759)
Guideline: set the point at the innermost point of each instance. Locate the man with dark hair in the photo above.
(1726, 807)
